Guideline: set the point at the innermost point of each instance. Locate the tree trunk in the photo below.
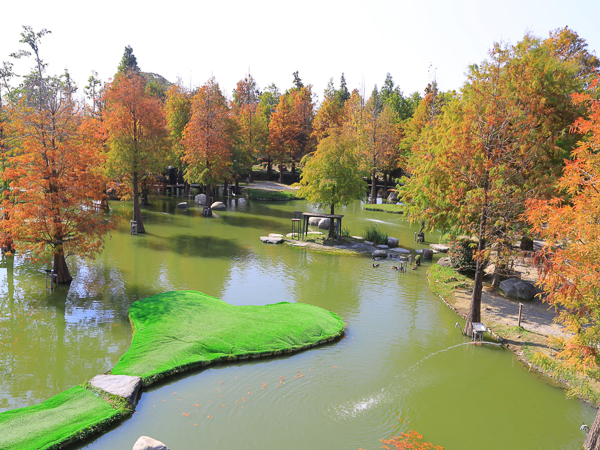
(332, 224)
(269, 168)
(280, 173)
(592, 440)
(104, 201)
(293, 172)
(385, 183)
(373, 187)
(145, 192)
(137, 211)
(237, 185)
(60, 266)
(475, 307)
(250, 176)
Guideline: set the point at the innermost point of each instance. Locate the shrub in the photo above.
(461, 255)
(375, 235)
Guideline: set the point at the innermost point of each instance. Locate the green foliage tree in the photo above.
(332, 174)
(128, 61)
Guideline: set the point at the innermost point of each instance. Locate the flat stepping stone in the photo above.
(275, 235)
(358, 238)
(314, 232)
(299, 245)
(368, 242)
(420, 252)
(383, 247)
(271, 240)
(439, 247)
(400, 250)
(122, 385)
(379, 254)
(340, 246)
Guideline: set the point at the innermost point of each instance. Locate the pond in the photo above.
(399, 366)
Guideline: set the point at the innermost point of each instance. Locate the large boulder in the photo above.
(440, 248)
(393, 197)
(444, 262)
(379, 254)
(200, 199)
(148, 443)
(393, 242)
(121, 385)
(324, 224)
(271, 240)
(427, 253)
(218, 206)
(314, 221)
(518, 289)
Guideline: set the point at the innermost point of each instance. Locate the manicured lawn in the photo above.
(268, 194)
(183, 329)
(73, 413)
(385, 207)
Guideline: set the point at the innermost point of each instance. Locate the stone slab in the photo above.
(383, 247)
(275, 235)
(400, 250)
(218, 206)
(440, 248)
(271, 240)
(122, 385)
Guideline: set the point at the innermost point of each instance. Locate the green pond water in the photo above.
(344, 395)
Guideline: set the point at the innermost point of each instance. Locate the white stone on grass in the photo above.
(122, 385)
(218, 206)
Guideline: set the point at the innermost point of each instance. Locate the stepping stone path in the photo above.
(122, 385)
(271, 240)
(440, 248)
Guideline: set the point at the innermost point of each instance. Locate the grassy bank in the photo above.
(385, 207)
(69, 416)
(271, 195)
(176, 331)
(535, 350)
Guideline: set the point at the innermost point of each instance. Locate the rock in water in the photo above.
(218, 206)
(314, 221)
(121, 385)
(427, 253)
(148, 443)
(393, 242)
(271, 240)
(518, 289)
(379, 254)
(324, 224)
(200, 199)
(183, 205)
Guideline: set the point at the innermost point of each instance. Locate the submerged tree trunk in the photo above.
(592, 440)
(137, 211)
(332, 224)
(60, 266)
(373, 187)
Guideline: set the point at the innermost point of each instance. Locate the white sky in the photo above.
(319, 38)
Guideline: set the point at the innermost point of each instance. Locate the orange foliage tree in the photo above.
(252, 125)
(570, 257)
(290, 129)
(137, 135)
(53, 199)
(208, 138)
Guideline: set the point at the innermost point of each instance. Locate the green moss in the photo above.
(175, 331)
(385, 207)
(71, 415)
(268, 194)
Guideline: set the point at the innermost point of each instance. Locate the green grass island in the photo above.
(173, 332)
